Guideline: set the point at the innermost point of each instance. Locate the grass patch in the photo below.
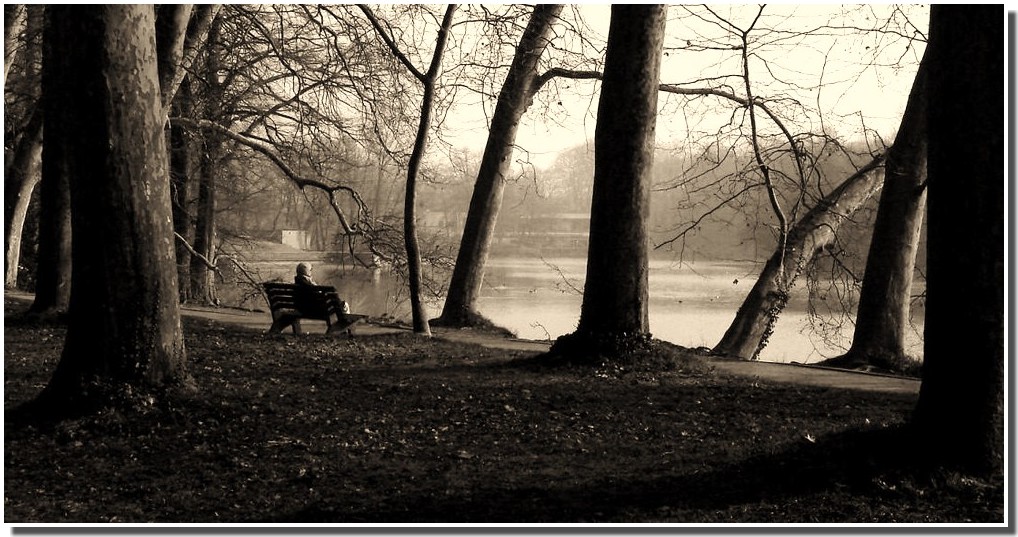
(402, 429)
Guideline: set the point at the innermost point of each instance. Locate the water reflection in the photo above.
(540, 299)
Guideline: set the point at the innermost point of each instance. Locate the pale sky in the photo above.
(850, 95)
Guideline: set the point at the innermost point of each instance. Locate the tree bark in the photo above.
(124, 334)
(614, 312)
(882, 320)
(758, 314)
(513, 100)
(960, 412)
(24, 169)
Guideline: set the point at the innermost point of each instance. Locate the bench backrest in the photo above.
(310, 300)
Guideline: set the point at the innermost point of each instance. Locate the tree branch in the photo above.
(391, 44)
(300, 181)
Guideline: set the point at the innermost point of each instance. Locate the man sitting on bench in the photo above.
(303, 277)
(314, 301)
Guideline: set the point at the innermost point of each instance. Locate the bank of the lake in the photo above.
(539, 298)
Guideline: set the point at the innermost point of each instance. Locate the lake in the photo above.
(690, 305)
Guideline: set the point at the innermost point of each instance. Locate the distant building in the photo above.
(552, 233)
(295, 238)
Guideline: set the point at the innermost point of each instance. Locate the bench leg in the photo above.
(334, 327)
(277, 326)
(344, 323)
(280, 323)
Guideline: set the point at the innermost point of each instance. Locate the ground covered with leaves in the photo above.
(399, 429)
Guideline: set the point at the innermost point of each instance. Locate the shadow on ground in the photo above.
(856, 462)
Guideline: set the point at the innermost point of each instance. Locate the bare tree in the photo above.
(787, 165)
(614, 313)
(290, 83)
(183, 153)
(885, 299)
(203, 288)
(181, 30)
(25, 168)
(515, 97)
(428, 80)
(754, 322)
(124, 323)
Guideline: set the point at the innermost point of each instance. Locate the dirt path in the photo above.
(768, 371)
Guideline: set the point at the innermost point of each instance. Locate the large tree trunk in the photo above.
(25, 170)
(961, 402)
(515, 97)
(614, 313)
(882, 320)
(124, 333)
(755, 320)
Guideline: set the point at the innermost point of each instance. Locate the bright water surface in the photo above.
(691, 305)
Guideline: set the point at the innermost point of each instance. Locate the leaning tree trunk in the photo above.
(755, 320)
(882, 320)
(25, 170)
(516, 95)
(614, 312)
(124, 334)
(960, 413)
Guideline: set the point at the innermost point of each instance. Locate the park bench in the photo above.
(291, 302)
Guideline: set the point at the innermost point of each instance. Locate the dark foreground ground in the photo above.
(397, 429)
